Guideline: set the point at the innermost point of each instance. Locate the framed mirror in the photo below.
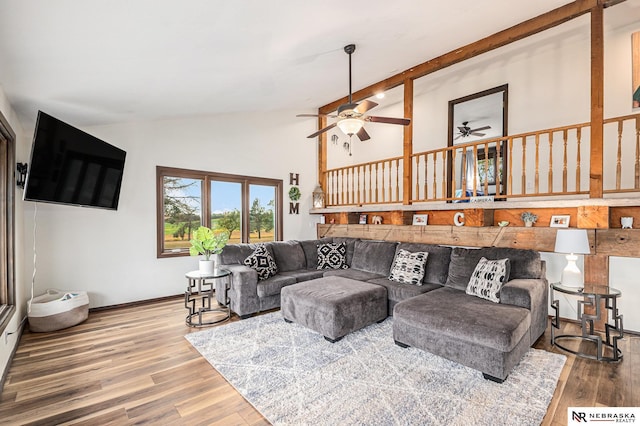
(477, 165)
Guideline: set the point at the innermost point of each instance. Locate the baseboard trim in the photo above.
(134, 304)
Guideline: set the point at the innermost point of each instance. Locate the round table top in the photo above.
(597, 290)
(217, 273)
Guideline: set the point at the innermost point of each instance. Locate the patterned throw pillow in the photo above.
(408, 268)
(332, 256)
(262, 262)
(488, 278)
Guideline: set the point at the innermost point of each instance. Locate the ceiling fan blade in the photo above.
(388, 120)
(319, 132)
(365, 106)
(316, 115)
(363, 135)
(477, 134)
(480, 128)
(457, 137)
(462, 129)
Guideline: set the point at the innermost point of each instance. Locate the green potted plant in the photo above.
(529, 218)
(206, 242)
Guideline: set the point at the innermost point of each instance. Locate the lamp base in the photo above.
(571, 275)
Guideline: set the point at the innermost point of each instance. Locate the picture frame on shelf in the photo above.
(363, 219)
(560, 221)
(420, 219)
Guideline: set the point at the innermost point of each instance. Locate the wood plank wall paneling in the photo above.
(539, 239)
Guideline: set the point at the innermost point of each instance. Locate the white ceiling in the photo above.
(98, 62)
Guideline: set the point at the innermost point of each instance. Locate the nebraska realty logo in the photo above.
(602, 415)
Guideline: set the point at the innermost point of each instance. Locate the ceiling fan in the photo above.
(466, 131)
(351, 116)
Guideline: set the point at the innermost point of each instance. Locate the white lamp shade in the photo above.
(350, 126)
(572, 241)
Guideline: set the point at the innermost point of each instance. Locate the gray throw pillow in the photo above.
(408, 268)
(488, 278)
(332, 256)
(262, 262)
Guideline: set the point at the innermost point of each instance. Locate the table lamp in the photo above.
(572, 242)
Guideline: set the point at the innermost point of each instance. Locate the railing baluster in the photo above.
(536, 181)
(463, 180)
(417, 177)
(578, 174)
(564, 162)
(426, 168)
(550, 162)
(486, 169)
(435, 187)
(453, 175)
(444, 173)
(397, 179)
(370, 183)
(499, 164)
(510, 168)
(390, 191)
(475, 171)
(619, 157)
(524, 165)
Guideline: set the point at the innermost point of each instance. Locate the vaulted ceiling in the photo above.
(99, 62)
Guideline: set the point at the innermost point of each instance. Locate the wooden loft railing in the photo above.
(547, 162)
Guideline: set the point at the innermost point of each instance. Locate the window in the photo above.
(7, 189)
(248, 208)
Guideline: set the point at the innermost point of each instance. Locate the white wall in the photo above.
(112, 254)
(9, 342)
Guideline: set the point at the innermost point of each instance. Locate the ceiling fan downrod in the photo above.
(350, 48)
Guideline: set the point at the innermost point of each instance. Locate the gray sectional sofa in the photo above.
(437, 316)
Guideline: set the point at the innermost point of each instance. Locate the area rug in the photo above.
(293, 376)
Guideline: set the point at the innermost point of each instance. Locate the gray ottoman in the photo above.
(334, 306)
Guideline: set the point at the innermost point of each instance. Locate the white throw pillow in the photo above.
(488, 278)
(408, 268)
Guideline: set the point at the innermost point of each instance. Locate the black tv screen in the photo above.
(69, 166)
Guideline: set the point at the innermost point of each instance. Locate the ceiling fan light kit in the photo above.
(350, 126)
(351, 116)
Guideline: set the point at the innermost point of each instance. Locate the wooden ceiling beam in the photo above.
(517, 32)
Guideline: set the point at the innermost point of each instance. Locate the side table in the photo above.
(201, 290)
(592, 297)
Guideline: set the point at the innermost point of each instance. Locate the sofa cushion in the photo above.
(262, 262)
(523, 264)
(310, 248)
(374, 256)
(437, 266)
(288, 255)
(473, 320)
(304, 274)
(272, 286)
(488, 278)
(398, 291)
(350, 242)
(407, 267)
(354, 274)
(332, 256)
(235, 254)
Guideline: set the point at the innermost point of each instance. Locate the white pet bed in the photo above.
(57, 309)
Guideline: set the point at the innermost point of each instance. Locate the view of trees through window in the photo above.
(245, 208)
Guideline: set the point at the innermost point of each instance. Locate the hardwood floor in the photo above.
(132, 365)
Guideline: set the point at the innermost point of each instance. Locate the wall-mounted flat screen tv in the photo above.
(69, 166)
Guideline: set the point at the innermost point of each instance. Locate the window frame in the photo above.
(205, 201)
(7, 222)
